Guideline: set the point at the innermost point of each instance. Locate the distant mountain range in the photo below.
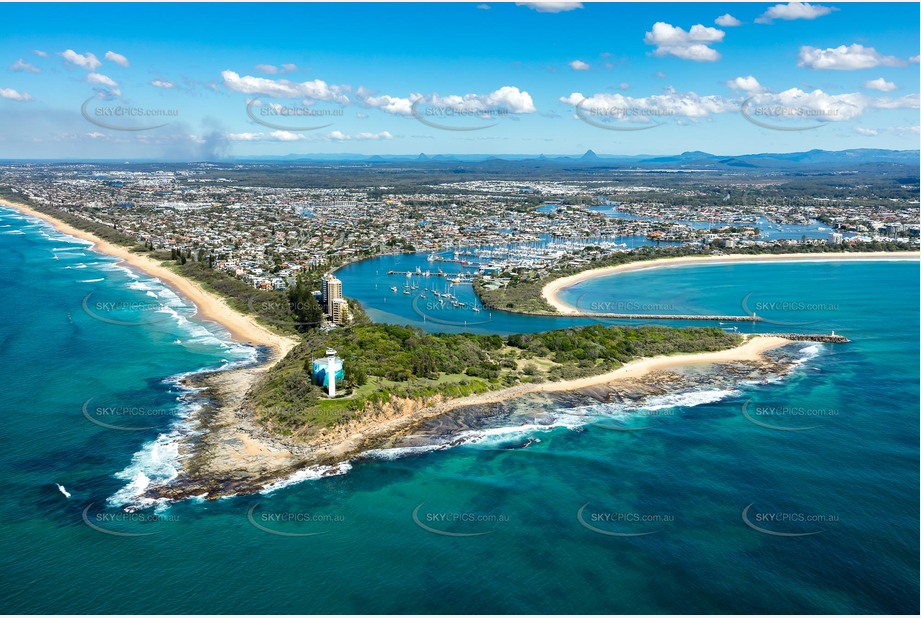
(685, 160)
(811, 160)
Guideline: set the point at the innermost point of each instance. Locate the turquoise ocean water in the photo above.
(585, 520)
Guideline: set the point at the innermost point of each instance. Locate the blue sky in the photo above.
(206, 81)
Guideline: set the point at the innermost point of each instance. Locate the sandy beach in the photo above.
(242, 328)
(552, 290)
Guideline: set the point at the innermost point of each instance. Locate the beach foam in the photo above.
(308, 474)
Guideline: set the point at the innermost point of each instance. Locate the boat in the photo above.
(393, 288)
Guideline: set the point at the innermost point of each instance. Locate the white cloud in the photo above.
(688, 45)
(915, 59)
(727, 21)
(316, 90)
(341, 137)
(102, 80)
(40, 53)
(159, 83)
(578, 65)
(624, 86)
(656, 107)
(21, 65)
(845, 58)
(746, 84)
(117, 59)
(483, 7)
(88, 61)
(551, 7)
(867, 132)
(908, 101)
(14, 95)
(880, 84)
(392, 105)
(791, 104)
(794, 10)
(816, 105)
(507, 98)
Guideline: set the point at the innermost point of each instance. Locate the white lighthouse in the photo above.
(330, 360)
(327, 370)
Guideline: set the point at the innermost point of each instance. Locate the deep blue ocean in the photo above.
(795, 496)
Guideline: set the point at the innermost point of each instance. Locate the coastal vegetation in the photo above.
(387, 361)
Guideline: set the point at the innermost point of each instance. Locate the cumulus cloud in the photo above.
(14, 95)
(657, 107)
(101, 80)
(160, 83)
(794, 10)
(551, 7)
(693, 45)
(507, 98)
(880, 84)
(867, 132)
(815, 105)
(316, 90)
(117, 59)
(21, 65)
(400, 106)
(578, 65)
(86, 61)
(745, 84)
(776, 107)
(727, 21)
(845, 58)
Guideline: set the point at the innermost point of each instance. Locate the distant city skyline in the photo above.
(225, 81)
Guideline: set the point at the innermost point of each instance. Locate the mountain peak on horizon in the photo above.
(589, 156)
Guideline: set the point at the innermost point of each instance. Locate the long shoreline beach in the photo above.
(551, 291)
(209, 306)
(238, 448)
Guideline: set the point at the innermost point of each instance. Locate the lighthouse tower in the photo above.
(327, 370)
(331, 363)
